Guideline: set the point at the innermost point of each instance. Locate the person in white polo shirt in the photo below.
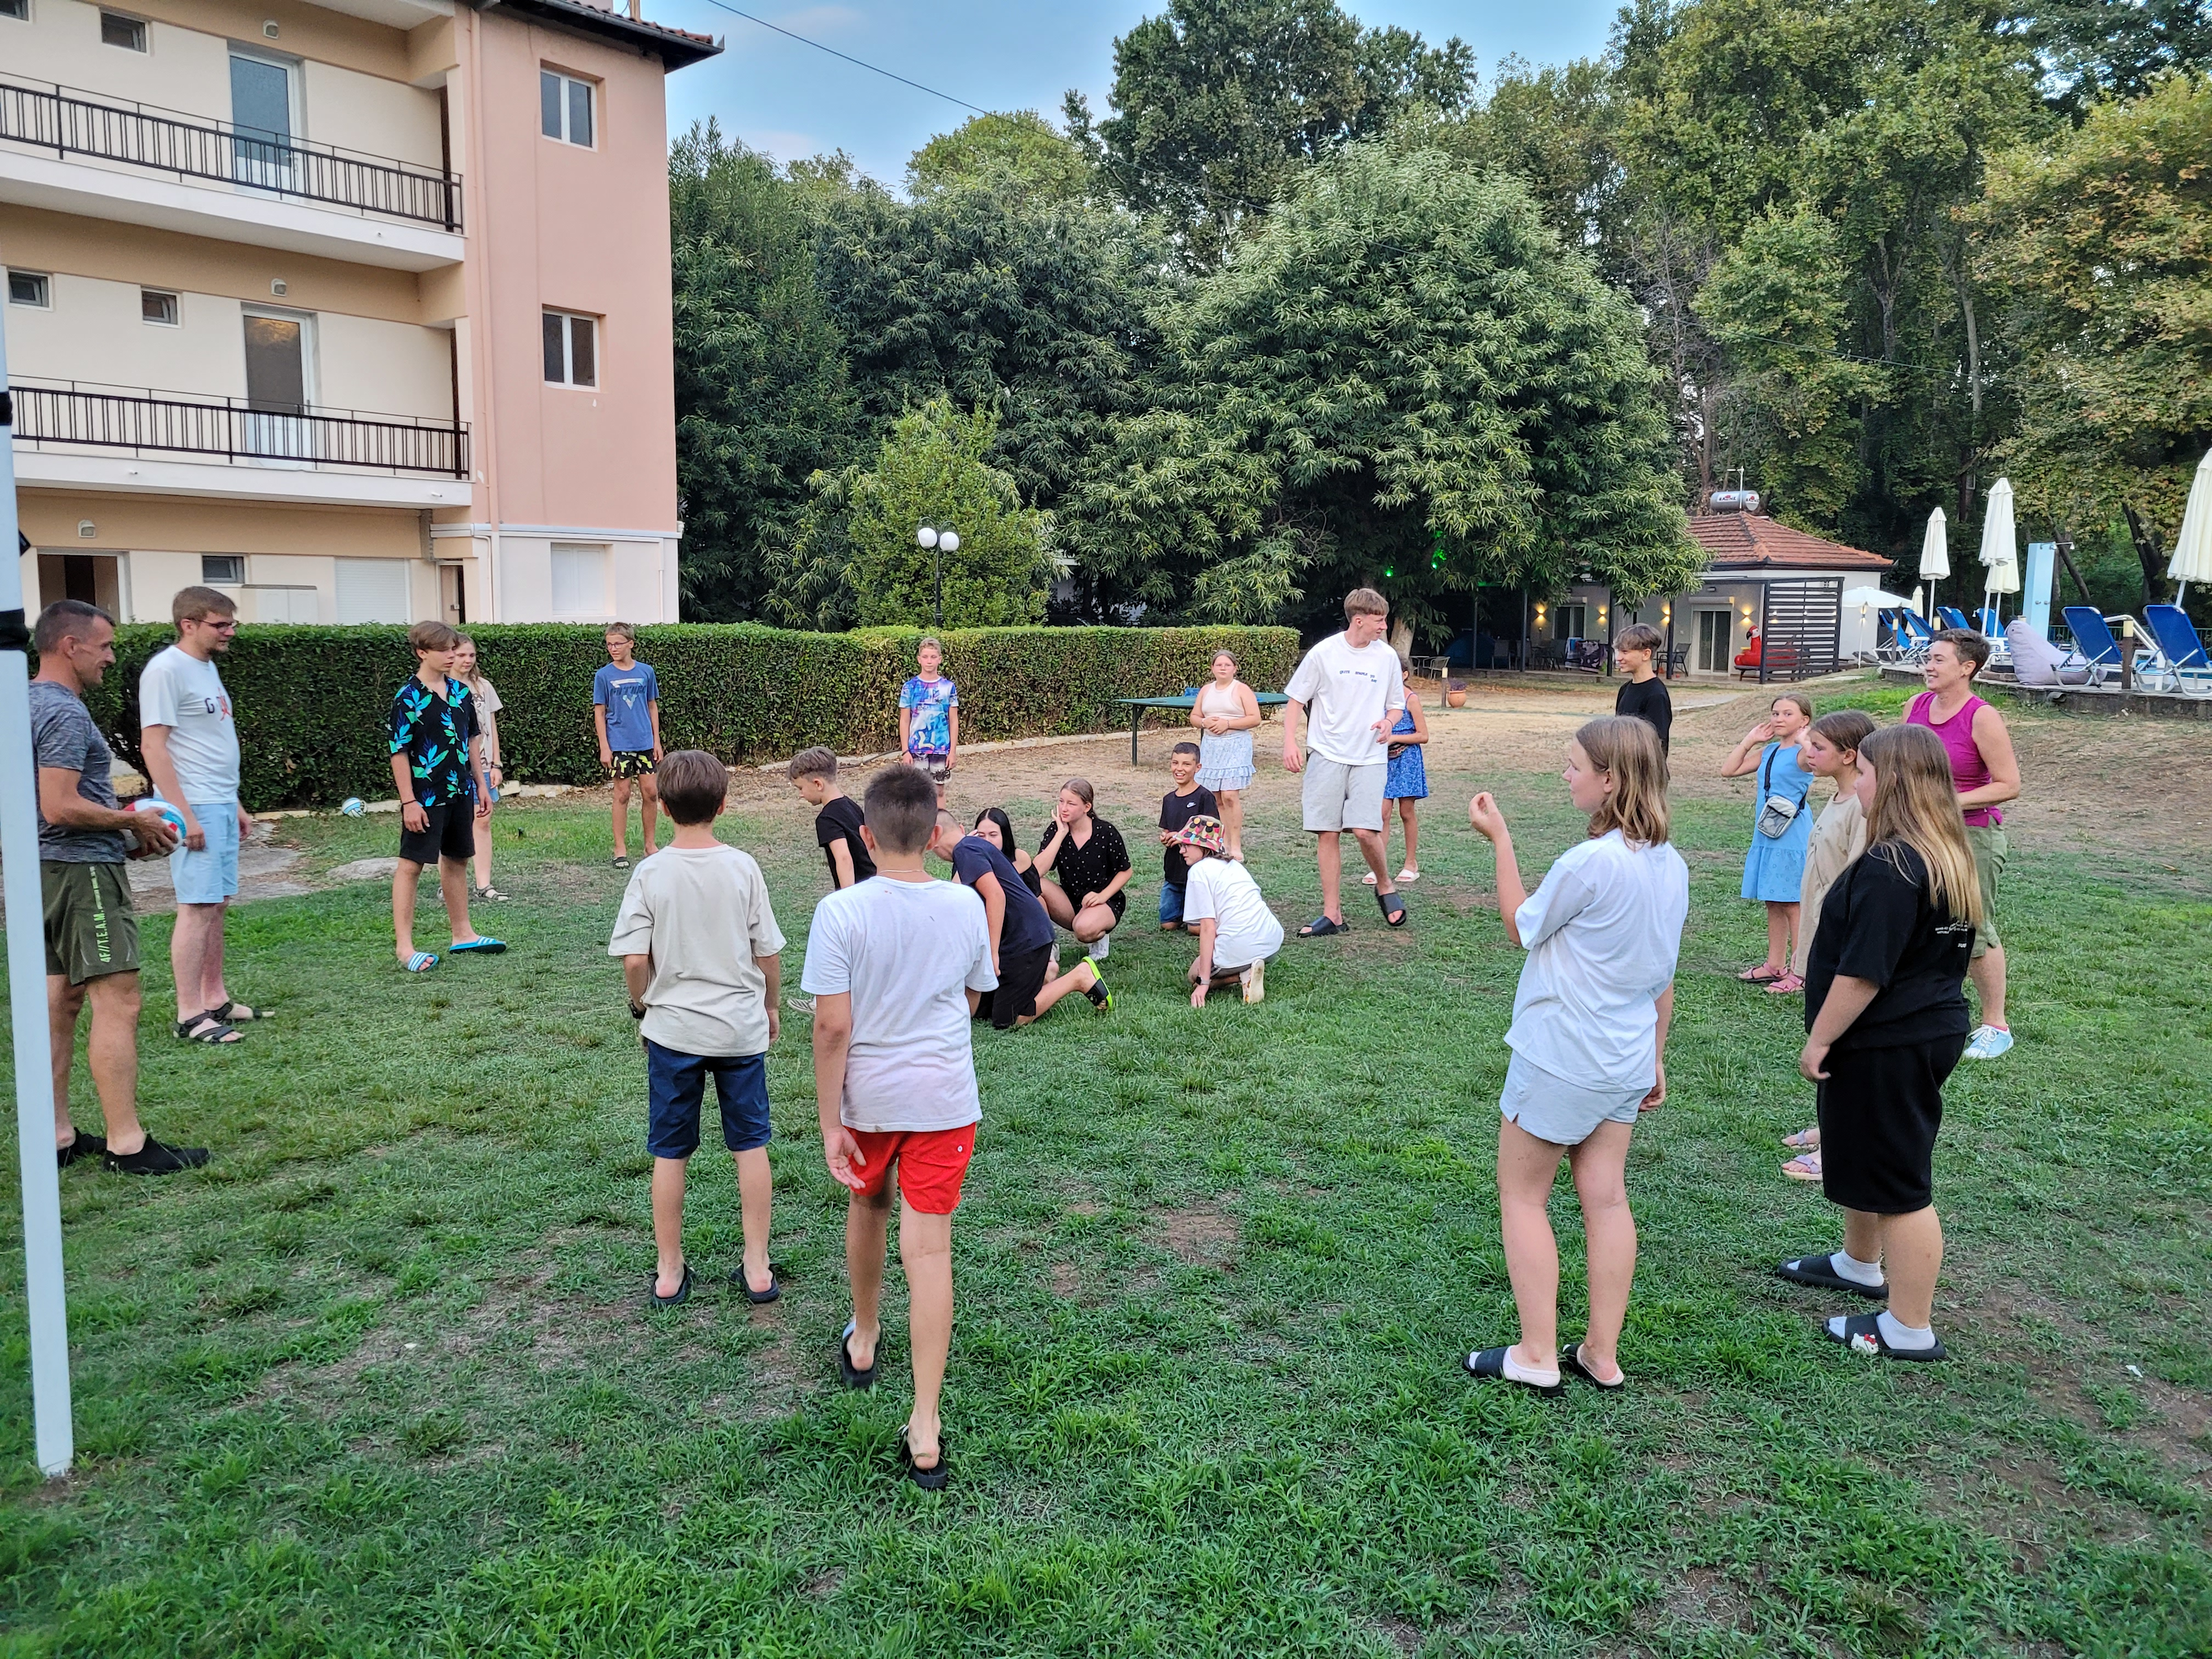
(190, 747)
(1348, 691)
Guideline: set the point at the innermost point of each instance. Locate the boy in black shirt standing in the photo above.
(1886, 1023)
(1188, 800)
(1644, 694)
(813, 772)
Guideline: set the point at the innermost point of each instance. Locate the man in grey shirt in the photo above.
(91, 932)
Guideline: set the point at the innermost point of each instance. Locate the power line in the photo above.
(860, 62)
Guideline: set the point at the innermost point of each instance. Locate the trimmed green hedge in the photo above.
(312, 702)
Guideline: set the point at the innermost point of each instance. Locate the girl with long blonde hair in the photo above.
(466, 670)
(1602, 930)
(1886, 1023)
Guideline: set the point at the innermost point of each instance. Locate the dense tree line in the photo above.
(1309, 305)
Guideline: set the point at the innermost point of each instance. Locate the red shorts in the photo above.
(931, 1163)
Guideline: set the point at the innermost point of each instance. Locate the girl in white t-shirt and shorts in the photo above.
(1238, 934)
(1589, 1037)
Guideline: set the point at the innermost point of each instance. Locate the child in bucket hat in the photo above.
(1238, 933)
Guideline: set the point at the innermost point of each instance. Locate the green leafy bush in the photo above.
(312, 702)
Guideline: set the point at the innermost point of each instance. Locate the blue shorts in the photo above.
(1171, 898)
(210, 877)
(676, 1085)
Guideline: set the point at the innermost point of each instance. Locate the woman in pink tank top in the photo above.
(1986, 774)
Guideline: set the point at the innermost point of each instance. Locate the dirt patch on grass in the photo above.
(1201, 1235)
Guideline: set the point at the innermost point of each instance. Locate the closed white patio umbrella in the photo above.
(2000, 551)
(2192, 549)
(1935, 555)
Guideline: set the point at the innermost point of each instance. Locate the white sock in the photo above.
(1898, 1335)
(1847, 1266)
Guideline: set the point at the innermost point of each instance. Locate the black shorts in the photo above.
(1020, 978)
(630, 763)
(452, 833)
(1879, 1111)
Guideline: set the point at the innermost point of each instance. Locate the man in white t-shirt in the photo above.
(1349, 690)
(190, 742)
(896, 965)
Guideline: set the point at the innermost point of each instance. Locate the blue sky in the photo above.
(792, 100)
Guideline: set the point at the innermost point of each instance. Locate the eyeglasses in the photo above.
(228, 625)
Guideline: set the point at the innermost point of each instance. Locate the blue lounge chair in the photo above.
(1913, 636)
(2181, 654)
(2098, 649)
(1986, 624)
(1951, 616)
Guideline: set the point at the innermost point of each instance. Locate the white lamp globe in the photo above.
(925, 536)
(949, 542)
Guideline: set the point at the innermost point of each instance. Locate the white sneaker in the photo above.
(1098, 947)
(1987, 1042)
(1255, 983)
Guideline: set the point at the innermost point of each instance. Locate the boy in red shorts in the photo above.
(896, 968)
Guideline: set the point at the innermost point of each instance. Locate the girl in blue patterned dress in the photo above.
(1774, 868)
(1406, 782)
(1225, 712)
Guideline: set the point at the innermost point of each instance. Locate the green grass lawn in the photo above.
(382, 1379)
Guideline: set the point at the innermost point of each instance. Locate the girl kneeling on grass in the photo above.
(1238, 934)
(1886, 1022)
(1588, 1039)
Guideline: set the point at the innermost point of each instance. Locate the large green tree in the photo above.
(1404, 378)
(1220, 106)
(762, 397)
(1020, 153)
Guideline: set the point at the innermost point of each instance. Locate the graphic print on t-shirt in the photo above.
(433, 732)
(628, 694)
(931, 701)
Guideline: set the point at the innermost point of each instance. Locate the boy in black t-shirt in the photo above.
(1644, 694)
(1188, 800)
(813, 772)
(1020, 931)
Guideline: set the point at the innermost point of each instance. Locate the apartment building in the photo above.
(356, 309)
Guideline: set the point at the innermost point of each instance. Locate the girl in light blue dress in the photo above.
(1407, 783)
(1774, 868)
(1225, 712)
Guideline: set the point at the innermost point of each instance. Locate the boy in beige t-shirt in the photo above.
(702, 959)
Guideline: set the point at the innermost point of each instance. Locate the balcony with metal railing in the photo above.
(140, 162)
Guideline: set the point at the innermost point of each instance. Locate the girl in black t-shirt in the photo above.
(1092, 862)
(1886, 1021)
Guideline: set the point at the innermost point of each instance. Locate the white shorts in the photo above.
(1565, 1111)
(1340, 797)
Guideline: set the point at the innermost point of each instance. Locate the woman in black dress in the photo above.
(1886, 1022)
(1087, 853)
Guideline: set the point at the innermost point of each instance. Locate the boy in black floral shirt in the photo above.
(437, 763)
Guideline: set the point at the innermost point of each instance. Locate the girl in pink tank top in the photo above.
(1969, 771)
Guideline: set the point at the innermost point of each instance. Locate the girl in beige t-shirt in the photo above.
(487, 701)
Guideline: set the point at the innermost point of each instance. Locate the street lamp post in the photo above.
(941, 541)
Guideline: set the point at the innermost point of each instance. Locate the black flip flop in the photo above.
(683, 1292)
(932, 1479)
(1818, 1270)
(1571, 1359)
(1489, 1364)
(1862, 1334)
(758, 1298)
(1321, 928)
(1394, 907)
(854, 1376)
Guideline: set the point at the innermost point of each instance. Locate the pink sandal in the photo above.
(1788, 986)
(1806, 1166)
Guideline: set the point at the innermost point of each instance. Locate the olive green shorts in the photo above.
(91, 929)
(1989, 850)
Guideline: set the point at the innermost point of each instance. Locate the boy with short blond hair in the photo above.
(702, 959)
(813, 772)
(929, 715)
(626, 710)
(1635, 652)
(896, 967)
(437, 765)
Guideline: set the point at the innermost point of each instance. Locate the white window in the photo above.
(158, 306)
(19, 9)
(564, 107)
(117, 30)
(579, 579)
(572, 349)
(223, 569)
(30, 288)
(372, 589)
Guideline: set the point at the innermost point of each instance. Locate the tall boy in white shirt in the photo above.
(896, 967)
(190, 740)
(1349, 689)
